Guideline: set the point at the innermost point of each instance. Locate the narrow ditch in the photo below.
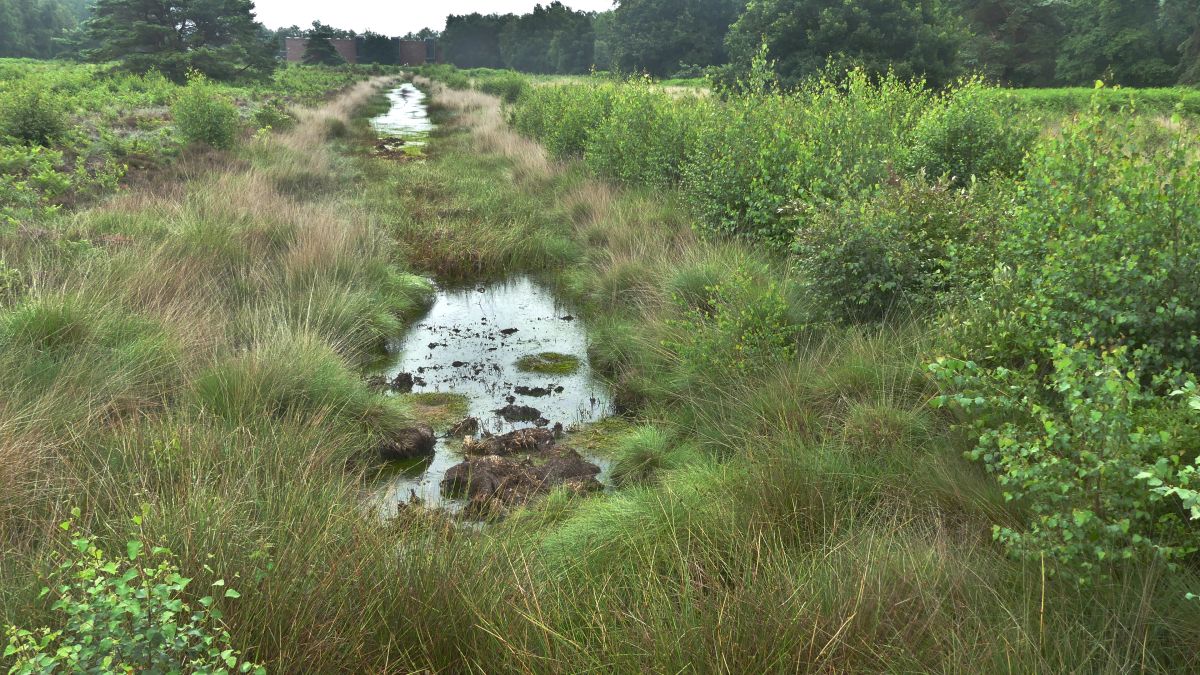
(487, 360)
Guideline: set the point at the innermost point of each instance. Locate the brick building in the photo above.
(294, 48)
(407, 52)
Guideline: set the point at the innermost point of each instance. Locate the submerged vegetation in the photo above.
(908, 377)
(549, 362)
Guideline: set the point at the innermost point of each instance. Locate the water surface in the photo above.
(408, 117)
(468, 344)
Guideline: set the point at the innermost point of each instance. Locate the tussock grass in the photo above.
(810, 515)
(815, 515)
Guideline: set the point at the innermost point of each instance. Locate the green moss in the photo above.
(550, 363)
(438, 409)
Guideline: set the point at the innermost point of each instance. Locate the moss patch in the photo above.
(551, 363)
(437, 409)
(600, 437)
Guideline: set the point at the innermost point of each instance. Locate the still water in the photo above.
(469, 344)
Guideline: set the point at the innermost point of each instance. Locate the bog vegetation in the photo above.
(908, 371)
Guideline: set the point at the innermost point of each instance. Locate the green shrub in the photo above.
(509, 86)
(205, 115)
(1071, 356)
(1077, 453)
(1104, 245)
(563, 117)
(125, 613)
(645, 136)
(743, 327)
(911, 245)
(763, 152)
(970, 133)
(32, 115)
(275, 115)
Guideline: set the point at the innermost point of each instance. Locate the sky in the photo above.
(396, 17)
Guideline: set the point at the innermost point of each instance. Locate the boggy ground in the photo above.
(806, 510)
(803, 512)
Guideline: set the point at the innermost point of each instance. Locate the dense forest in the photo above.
(1028, 43)
(1018, 42)
(39, 28)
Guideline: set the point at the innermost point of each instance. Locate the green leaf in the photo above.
(230, 593)
(134, 548)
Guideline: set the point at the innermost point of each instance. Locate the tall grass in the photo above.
(810, 513)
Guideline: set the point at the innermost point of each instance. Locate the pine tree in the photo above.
(320, 50)
(219, 38)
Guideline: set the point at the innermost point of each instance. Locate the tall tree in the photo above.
(377, 48)
(1180, 29)
(662, 36)
(1014, 41)
(913, 38)
(219, 38)
(549, 39)
(319, 49)
(1114, 40)
(473, 40)
(36, 28)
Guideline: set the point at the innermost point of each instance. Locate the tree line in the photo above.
(1018, 42)
(39, 28)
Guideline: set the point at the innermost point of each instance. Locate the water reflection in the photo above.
(468, 344)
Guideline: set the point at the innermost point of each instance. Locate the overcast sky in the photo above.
(396, 17)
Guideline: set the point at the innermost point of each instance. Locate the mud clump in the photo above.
(403, 382)
(494, 484)
(393, 148)
(536, 392)
(519, 413)
(467, 427)
(409, 443)
(521, 440)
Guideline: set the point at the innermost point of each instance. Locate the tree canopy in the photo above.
(319, 49)
(219, 38)
(550, 39)
(35, 28)
(913, 38)
(473, 40)
(663, 36)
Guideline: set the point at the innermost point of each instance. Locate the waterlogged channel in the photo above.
(408, 116)
(469, 344)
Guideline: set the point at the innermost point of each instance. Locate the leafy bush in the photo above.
(743, 327)
(508, 85)
(912, 244)
(645, 136)
(125, 614)
(563, 117)
(969, 133)
(764, 151)
(204, 115)
(1104, 245)
(1074, 351)
(1078, 453)
(32, 115)
(273, 114)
